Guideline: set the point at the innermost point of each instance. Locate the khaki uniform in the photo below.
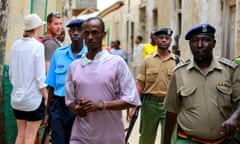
(203, 102)
(156, 74)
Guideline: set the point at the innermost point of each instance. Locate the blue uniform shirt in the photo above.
(60, 62)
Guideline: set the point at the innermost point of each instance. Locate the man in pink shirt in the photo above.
(98, 87)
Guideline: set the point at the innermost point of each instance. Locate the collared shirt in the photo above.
(156, 73)
(105, 78)
(27, 74)
(149, 49)
(203, 101)
(60, 62)
(50, 45)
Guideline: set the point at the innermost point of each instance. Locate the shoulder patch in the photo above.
(228, 62)
(181, 64)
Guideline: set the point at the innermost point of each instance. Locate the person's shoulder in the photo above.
(111, 50)
(17, 41)
(63, 48)
(115, 58)
(182, 64)
(146, 44)
(76, 62)
(227, 62)
(38, 43)
(49, 41)
(46, 38)
(149, 57)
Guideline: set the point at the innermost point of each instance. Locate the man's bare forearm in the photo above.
(50, 98)
(171, 120)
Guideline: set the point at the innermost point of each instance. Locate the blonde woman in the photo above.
(27, 75)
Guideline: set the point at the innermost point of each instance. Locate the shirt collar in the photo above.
(78, 55)
(170, 56)
(214, 65)
(98, 57)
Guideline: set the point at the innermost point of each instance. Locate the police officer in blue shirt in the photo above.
(61, 118)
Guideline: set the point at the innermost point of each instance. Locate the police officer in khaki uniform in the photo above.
(155, 73)
(202, 94)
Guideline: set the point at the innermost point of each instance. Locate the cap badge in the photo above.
(204, 28)
(169, 31)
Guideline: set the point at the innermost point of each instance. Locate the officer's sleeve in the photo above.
(172, 99)
(51, 75)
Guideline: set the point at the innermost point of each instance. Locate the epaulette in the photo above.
(181, 64)
(228, 62)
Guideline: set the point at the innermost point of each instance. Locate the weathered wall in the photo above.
(237, 30)
(115, 27)
(195, 12)
(223, 14)
(18, 9)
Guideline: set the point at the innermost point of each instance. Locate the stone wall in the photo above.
(154, 14)
(19, 8)
(195, 12)
(237, 49)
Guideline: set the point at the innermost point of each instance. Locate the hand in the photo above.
(79, 110)
(90, 106)
(131, 113)
(229, 127)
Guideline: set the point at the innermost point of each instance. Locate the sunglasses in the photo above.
(55, 14)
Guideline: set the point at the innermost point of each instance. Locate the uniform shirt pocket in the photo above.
(187, 94)
(60, 75)
(152, 75)
(224, 100)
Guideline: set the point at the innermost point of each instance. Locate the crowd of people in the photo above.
(80, 89)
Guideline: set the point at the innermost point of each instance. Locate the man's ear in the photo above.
(104, 34)
(214, 43)
(48, 25)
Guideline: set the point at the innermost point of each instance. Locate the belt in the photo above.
(183, 135)
(154, 98)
